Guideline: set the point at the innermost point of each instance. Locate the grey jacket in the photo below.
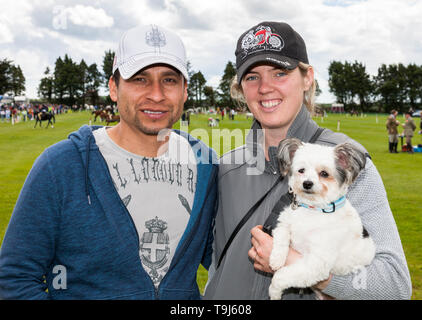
(244, 178)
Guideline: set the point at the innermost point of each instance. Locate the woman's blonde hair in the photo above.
(236, 91)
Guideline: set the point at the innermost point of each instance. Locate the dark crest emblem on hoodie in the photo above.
(154, 247)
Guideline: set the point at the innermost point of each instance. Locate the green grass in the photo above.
(21, 144)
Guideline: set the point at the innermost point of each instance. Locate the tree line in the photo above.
(12, 79)
(395, 86)
(201, 95)
(74, 82)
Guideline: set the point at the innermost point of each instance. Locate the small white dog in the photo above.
(321, 224)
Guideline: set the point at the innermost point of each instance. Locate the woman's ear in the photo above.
(309, 78)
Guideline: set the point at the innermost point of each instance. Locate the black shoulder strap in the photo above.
(244, 219)
(271, 222)
(316, 135)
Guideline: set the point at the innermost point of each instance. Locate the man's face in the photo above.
(151, 100)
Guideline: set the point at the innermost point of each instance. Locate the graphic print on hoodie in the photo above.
(158, 193)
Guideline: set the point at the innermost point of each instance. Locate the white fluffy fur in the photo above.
(328, 242)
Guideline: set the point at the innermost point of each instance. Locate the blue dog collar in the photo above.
(329, 209)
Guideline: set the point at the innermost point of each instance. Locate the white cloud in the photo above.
(88, 16)
(6, 35)
(11, 15)
(214, 81)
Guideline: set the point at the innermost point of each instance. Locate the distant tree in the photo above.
(107, 66)
(18, 81)
(94, 78)
(402, 83)
(12, 79)
(210, 95)
(225, 99)
(349, 82)
(82, 80)
(67, 81)
(414, 85)
(190, 102)
(45, 88)
(5, 75)
(59, 81)
(361, 85)
(198, 81)
(337, 81)
(387, 87)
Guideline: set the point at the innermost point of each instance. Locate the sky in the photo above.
(33, 34)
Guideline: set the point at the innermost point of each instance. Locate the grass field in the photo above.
(21, 144)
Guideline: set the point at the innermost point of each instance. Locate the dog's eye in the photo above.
(301, 170)
(324, 174)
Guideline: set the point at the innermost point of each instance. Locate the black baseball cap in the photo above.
(269, 42)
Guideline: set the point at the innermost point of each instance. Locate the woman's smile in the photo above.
(270, 105)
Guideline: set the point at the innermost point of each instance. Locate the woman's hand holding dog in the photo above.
(262, 244)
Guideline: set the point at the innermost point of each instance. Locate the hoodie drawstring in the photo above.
(86, 170)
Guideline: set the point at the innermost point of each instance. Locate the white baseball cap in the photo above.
(146, 45)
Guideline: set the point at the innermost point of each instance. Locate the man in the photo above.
(391, 125)
(409, 126)
(124, 216)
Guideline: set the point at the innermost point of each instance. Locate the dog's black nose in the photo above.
(308, 184)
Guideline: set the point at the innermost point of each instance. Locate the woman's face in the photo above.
(274, 95)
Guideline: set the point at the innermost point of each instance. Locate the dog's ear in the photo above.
(349, 161)
(286, 151)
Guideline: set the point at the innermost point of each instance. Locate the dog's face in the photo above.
(319, 175)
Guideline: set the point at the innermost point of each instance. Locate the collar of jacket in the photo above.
(303, 127)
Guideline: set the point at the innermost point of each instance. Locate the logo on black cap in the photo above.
(259, 39)
(269, 42)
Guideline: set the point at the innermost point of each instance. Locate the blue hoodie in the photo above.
(70, 232)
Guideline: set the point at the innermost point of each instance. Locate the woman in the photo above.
(409, 126)
(393, 133)
(276, 82)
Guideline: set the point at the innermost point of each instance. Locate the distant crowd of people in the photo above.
(224, 111)
(26, 112)
(409, 128)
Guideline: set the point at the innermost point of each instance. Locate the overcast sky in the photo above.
(35, 33)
